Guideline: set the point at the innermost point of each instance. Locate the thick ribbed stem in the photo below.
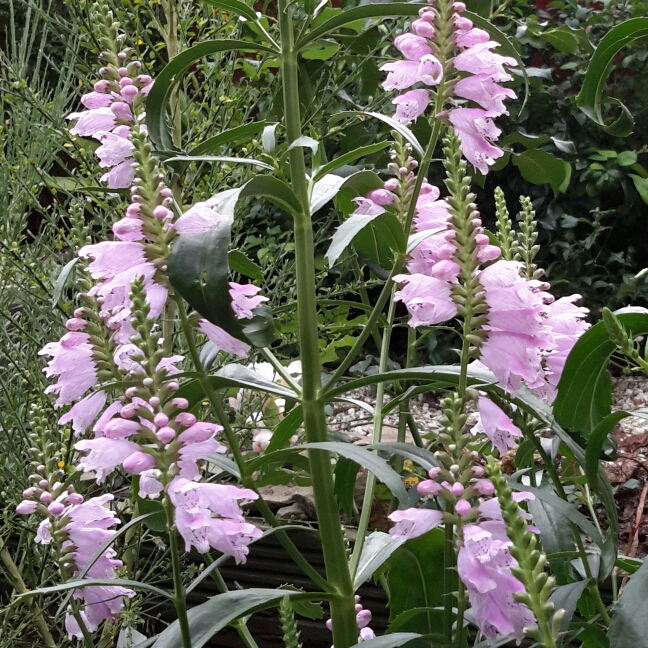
(345, 632)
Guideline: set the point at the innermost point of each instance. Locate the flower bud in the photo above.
(166, 434)
(138, 462)
(180, 403)
(161, 420)
(363, 618)
(28, 493)
(457, 489)
(45, 497)
(74, 498)
(463, 507)
(55, 508)
(185, 419)
(26, 507)
(484, 487)
(154, 401)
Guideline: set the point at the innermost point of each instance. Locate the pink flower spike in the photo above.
(496, 425)
(413, 522)
(104, 455)
(245, 299)
(423, 28)
(381, 196)
(411, 105)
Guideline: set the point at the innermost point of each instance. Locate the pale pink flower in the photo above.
(479, 59)
(72, 361)
(428, 300)
(484, 565)
(111, 258)
(413, 47)
(475, 129)
(223, 340)
(481, 89)
(114, 149)
(413, 522)
(84, 412)
(129, 229)
(496, 425)
(471, 37)
(104, 455)
(200, 218)
(245, 299)
(404, 74)
(411, 105)
(96, 100)
(91, 122)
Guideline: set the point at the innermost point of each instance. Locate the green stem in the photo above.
(19, 586)
(239, 624)
(280, 369)
(461, 605)
(345, 632)
(367, 500)
(260, 504)
(178, 588)
(591, 583)
(87, 637)
(448, 580)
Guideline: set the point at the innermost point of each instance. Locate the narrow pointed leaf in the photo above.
(234, 6)
(61, 280)
(228, 136)
(348, 158)
(327, 187)
(629, 625)
(390, 640)
(595, 443)
(241, 263)
(286, 429)
(345, 234)
(377, 549)
(590, 97)
(274, 190)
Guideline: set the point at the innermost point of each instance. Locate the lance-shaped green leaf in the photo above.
(327, 187)
(348, 158)
(288, 426)
(345, 234)
(373, 10)
(207, 619)
(390, 121)
(274, 190)
(62, 279)
(241, 263)
(585, 388)
(236, 7)
(590, 97)
(377, 549)
(218, 158)
(595, 442)
(565, 597)
(156, 101)
(629, 625)
(91, 582)
(379, 242)
(420, 456)
(361, 456)
(389, 641)
(198, 270)
(227, 137)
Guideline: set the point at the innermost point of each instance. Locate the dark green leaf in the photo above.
(590, 97)
(348, 158)
(241, 263)
(524, 457)
(345, 472)
(539, 167)
(226, 137)
(61, 280)
(345, 234)
(362, 456)
(595, 443)
(421, 619)
(321, 50)
(378, 547)
(327, 187)
(207, 619)
(389, 641)
(420, 456)
(274, 190)
(236, 375)
(565, 597)
(390, 9)
(585, 388)
(286, 429)
(563, 39)
(629, 625)
(198, 270)
(381, 240)
(630, 565)
(641, 185)
(235, 6)
(157, 98)
(555, 535)
(415, 577)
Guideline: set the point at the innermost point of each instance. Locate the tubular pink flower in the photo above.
(484, 565)
(72, 361)
(104, 455)
(479, 59)
(412, 47)
(411, 105)
(84, 412)
(200, 218)
(223, 340)
(413, 522)
(475, 129)
(481, 89)
(245, 299)
(404, 74)
(92, 122)
(496, 425)
(428, 300)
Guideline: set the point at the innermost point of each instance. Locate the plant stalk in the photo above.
(345, 632)
(179, 599)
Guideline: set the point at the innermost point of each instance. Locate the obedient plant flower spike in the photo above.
(110, 40)
(288, 624)
(505, 235)
(623, 339)
(531, 563)
(527, 236)
(470, 244)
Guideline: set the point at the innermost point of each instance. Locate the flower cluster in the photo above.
(445, 50)
(76, 529)
(363, 619)
(115, 105)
